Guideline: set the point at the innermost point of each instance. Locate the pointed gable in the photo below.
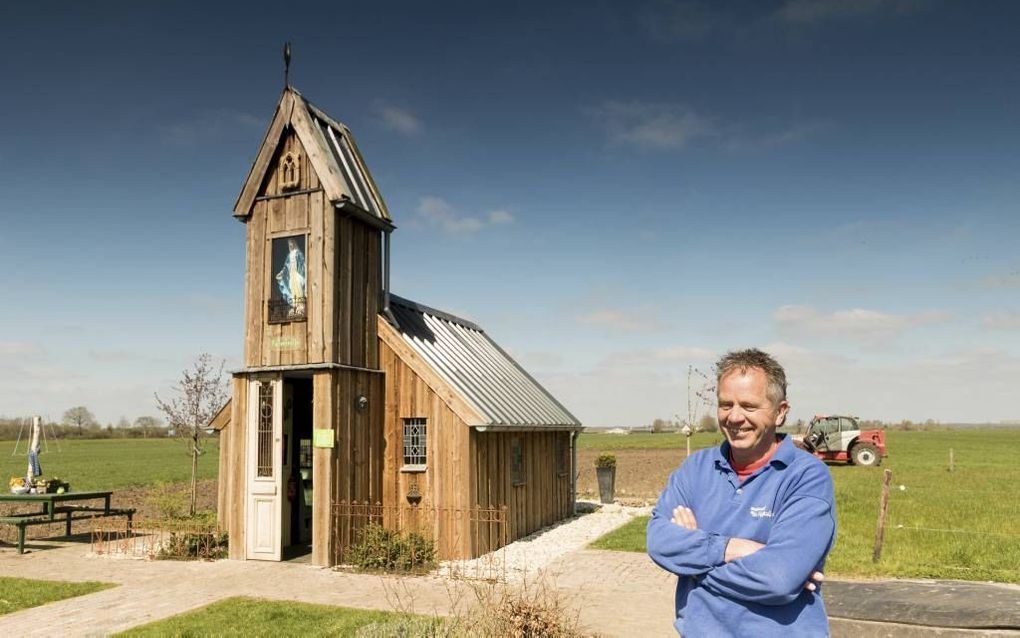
(331, 153)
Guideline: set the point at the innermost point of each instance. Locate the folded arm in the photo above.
(776, 574)
(683, 551)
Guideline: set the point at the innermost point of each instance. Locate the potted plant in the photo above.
(605, 469)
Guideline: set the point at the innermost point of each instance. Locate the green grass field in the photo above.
(963, 524)
(112, 464)
(22, 593)
(255, 617)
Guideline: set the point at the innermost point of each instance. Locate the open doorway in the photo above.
(297, 465)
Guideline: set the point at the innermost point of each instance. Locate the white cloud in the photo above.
(664, 126)
(857, 322)
(958, 386)
(791, 134)
(618, 320)
(810, 12)
(672, 356)
(500, 216)
(20, 348)
(209, 125)
(1002, 321)
(398, 119)
(1009, 280)
(652, 126)
(437, 212)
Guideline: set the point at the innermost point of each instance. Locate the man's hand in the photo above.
(740, 547)
(684, 517)
(814, 581)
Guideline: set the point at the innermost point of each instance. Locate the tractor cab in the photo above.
(840, 438)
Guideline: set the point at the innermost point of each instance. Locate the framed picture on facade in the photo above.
(289, 282)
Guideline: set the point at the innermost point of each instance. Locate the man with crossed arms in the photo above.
(746, 526)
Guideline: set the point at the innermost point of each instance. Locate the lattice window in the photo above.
(264, 440)
(517, 461)
(415, 445)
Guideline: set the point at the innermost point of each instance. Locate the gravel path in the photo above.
(533, 554)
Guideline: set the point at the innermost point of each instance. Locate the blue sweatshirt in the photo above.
(788, 505)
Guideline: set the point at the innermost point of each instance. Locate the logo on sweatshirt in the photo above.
(761, 512)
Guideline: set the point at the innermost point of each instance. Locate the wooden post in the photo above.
(951, 460)
(883, 507)
(688, 447)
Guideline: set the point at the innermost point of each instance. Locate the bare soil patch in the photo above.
(139, 498)
(640, 474)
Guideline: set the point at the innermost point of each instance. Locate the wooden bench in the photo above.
(57, 505)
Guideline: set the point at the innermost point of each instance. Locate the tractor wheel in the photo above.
(865, 454)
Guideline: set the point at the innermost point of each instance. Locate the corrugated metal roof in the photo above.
(348, 161)
(478, 369)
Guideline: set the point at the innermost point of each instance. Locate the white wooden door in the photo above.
(265, 469)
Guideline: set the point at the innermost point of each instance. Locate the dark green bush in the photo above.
(386, 550)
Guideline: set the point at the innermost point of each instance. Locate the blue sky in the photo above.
(615, 191)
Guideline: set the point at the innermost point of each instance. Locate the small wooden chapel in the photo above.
(350, 394)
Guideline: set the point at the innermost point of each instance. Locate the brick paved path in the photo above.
(617, 593)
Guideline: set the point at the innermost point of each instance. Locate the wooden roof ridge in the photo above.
(295, 112)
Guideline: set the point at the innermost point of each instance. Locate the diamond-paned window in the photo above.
(415, 447)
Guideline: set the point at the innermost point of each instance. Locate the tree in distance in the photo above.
(79, 417)
(707, 423)
(147, 424)
(198, 396)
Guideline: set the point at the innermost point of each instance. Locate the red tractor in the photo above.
(840, 438)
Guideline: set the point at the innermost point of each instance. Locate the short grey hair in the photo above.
(743, 360)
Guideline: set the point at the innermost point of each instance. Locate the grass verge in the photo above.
(22, 593)
(629, 538)
(257, 617)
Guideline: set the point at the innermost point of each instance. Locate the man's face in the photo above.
(746, 415)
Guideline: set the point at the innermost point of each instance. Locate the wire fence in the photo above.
(172, 539)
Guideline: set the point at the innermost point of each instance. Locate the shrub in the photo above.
(387, 550)
(167, 499)
(198, 545)
(530, 610)
(606, 460)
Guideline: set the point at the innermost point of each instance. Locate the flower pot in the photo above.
(607, 483)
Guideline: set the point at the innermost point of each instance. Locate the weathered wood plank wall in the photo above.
(542, 499)
(343, 270)
(444, 483)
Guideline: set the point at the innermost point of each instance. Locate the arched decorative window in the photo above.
(290, 171)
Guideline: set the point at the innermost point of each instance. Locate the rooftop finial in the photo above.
(286, 65)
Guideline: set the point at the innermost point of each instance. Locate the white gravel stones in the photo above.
(534, 553)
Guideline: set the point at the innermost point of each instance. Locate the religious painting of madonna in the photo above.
(287, 300)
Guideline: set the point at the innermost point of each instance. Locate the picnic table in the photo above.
(67, 505)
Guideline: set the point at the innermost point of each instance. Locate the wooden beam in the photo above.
(242, 208)
(323, 461)
(315, 147)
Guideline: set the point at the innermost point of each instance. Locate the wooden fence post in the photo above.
(951, 459)
(883, 507)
